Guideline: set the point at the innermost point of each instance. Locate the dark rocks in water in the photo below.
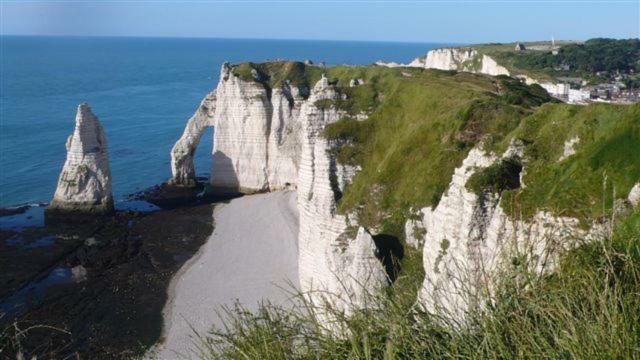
(127, 261)
(169, 196)
(14, 211)
(65, 217)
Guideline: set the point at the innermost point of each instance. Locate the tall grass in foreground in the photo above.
(589, 308)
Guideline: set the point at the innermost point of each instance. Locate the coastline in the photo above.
(79, 278)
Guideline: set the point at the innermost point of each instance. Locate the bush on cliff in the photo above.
(496, 178)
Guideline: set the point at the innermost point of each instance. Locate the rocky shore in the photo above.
(94, 289)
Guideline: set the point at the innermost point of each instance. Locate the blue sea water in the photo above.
(142, 89)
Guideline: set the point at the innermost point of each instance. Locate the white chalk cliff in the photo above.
(182, 167)
(85, 181)
(468, 59)
(469, 241)
(269, 139)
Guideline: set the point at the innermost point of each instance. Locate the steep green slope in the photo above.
(422, 127)
(584, 185)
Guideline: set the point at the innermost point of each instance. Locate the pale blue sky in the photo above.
(382, 20)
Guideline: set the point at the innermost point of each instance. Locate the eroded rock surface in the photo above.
(268, 139)
(182, 153)
(569, 147)
(330, 263)
(469, 241)
(85, 181)
(634, 195)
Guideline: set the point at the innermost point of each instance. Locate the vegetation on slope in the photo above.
(578, 59)
(588, 309)
(607, 160)
(421, 127)
(276, 73)
(496, 178)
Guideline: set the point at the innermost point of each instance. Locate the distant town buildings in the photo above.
(573, 93)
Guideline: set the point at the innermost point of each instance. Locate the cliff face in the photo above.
(455, 59)
(463, 59)
(329, 259)
(268, 139)
(414, 145)
(85, 181)
(469, 242)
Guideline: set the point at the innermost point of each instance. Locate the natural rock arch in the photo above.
(182, 167)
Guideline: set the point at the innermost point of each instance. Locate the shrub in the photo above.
(496, 178)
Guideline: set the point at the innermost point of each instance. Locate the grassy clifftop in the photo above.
(422, 127)
(605, 166)
(421, 124)
(596, 60)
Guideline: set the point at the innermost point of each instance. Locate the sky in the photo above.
(448, 21)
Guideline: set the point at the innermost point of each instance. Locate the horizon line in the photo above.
(294, 39)
(300, 39)
(226, 38)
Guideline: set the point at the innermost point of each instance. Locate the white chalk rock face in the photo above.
(450, 59)
(456, 59)
(634, 195)
(462, 59)
(284, 141)
(469, 241)
(182, 168)
(256, 140)
(358, 274)
(414, 231)
(270, 139)
(85, 181)
(491, 67)
(332, 267)
(569, 147)
(241, 123)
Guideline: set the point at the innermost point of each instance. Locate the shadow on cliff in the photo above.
(224, 179)
(390, 252)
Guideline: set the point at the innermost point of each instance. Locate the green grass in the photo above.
(607, 156)
(422, 126)
(419, 130)
(588, 309)
(275, 74)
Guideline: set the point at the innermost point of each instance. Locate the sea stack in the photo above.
(84, 185)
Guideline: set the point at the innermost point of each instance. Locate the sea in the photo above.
(142, 89)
